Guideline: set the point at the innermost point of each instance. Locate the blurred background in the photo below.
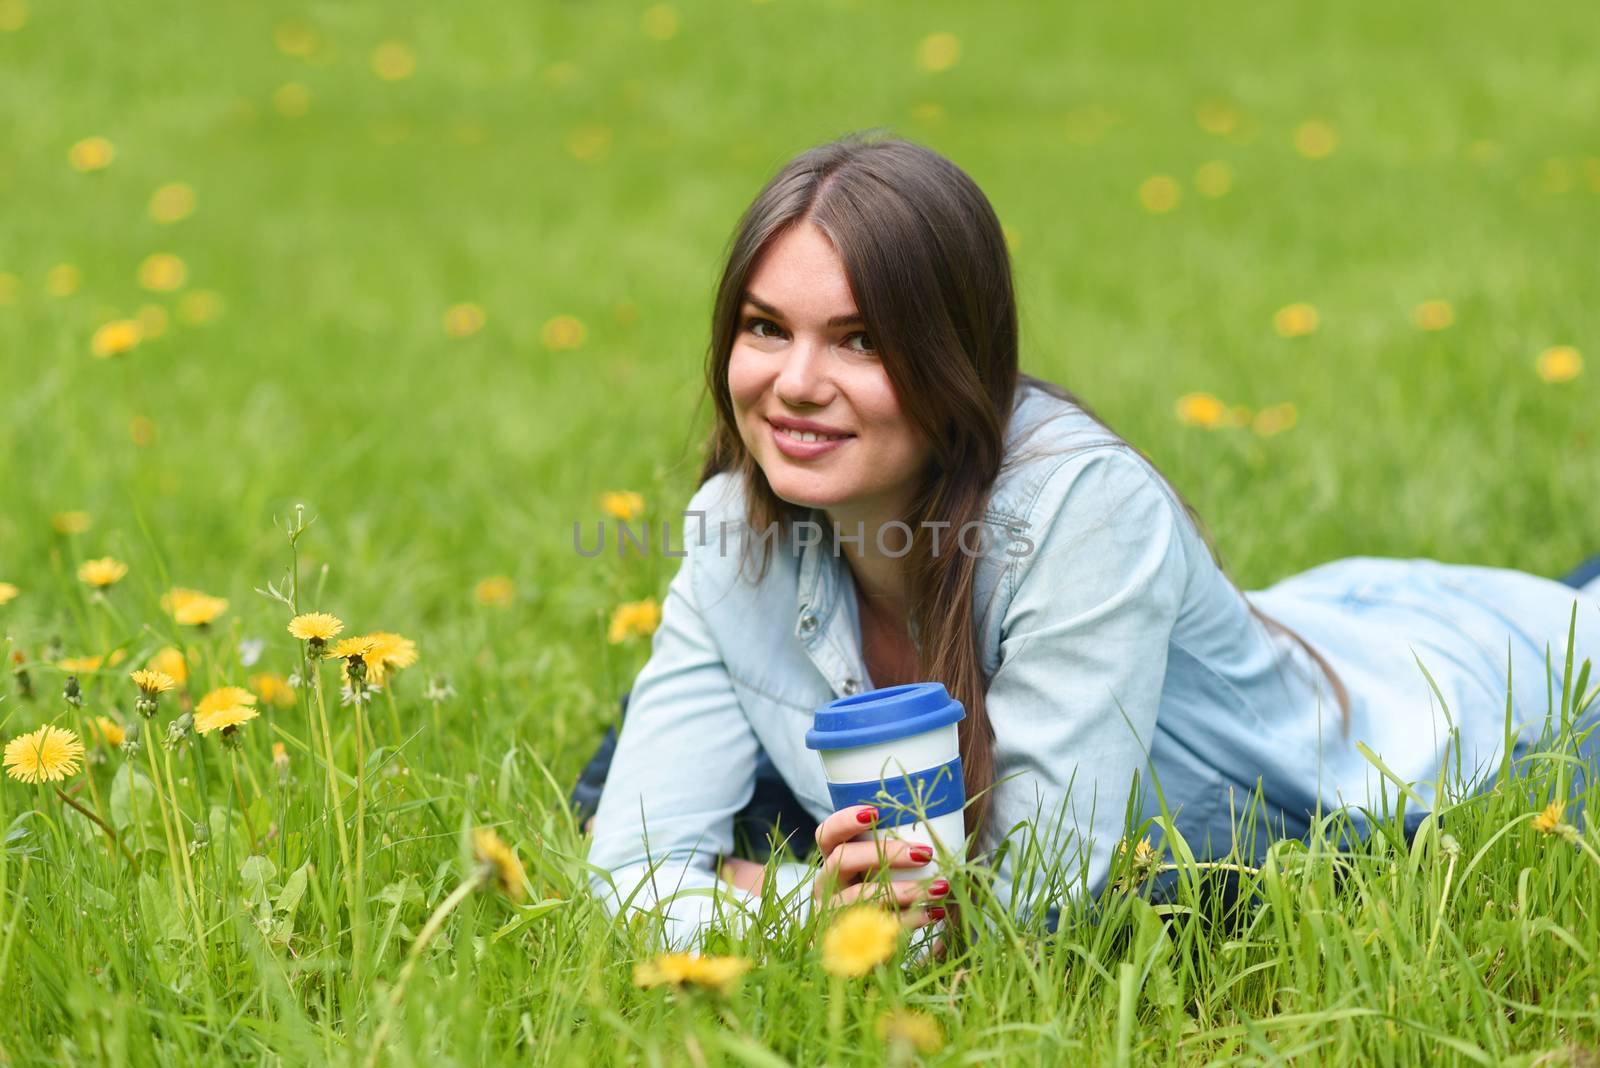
(443, 274)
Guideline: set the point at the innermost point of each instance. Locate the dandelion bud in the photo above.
(439, 689)
(72, 693)
(178, 730)
(24, 684)
(145, 705)
(202, 837)
(55, 650)
(130, 738)
(356, 668)
(280, 761)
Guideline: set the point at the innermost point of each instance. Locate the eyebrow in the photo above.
(837, 320)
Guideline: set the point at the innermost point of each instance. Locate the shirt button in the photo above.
(851, 686)
(808, 623)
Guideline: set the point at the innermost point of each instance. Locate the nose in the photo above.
(806, 377)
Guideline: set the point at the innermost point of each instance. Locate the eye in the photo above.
(752, 323)
(867, 346)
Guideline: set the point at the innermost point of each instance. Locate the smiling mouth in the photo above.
(808, 437)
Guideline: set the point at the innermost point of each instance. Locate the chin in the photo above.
(803, 491)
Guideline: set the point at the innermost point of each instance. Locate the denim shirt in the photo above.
(1113, 644)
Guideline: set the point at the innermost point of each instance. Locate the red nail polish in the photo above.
(939, 887)
(921, 854)
(866, 815)
(936, 913)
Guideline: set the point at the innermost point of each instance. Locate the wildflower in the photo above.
(115, 337)
(393, 60)
(71, 693)
(1200, 409)
(497, 863)
(1146, 859)
(1550, 822)
(1213, 179)
(191, 607)
(295, 39)
(562, 332)
(73, 522)
(1276, 418)
(80, 665)
(130, 738)
(1433, 315)
(389, 652)
(107, 730)
(227, 720)
(439, 689)
(103, 572)
(199, 836)
(354, 652)
(178, 730)
(63, 280)
(1160, 194)
(162, 272)
(496, 590)
(272, 688)
(250, 650)
(1295, 320)
(199, 307)
(1560, 363)
(169, 661)
(938, 52)
(91, 154)
(633, 617)
(681, 969)
(859, 940)
(1217, 117)
(222, 698)
(659, 21)
(916, 1030)
(291, 100)
(463, 320)
(621, 504)
(48, 754)
(8, 591)
(316, 628)
(1316, 139)
(280, 762)
(172, 202)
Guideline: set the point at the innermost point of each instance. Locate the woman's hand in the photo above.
(845, 863)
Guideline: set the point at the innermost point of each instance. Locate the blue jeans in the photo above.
(773, 807)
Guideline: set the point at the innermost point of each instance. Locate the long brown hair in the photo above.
(929, 268)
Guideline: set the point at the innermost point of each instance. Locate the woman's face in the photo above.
(802, 357)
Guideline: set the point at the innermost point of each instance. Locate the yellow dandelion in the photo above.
(496, 591)
(280, 759)
(589, 141)
(107, 731)
(8, 591)
(690, 969)
(1295, 320)
(862, 938)
(152, 682)
(938, 52)
(914, 1030)
(1559, 363)
(191, 607)
(659, 21)
(80, 665)
(928, 111)
(223, 697)
(13, 15)
(393, 60)
(48, 754)
(115, 338)
(10, 286)
(272, 688)
(172, 202)
(62, 280)
(499, 862)
(360, 645)
(1159, 194)
(291, 100)
(1433, 315)
(103, 572)
(295, 39)
(198, 307)
(633, 618)
(621, 504)
(1549, 821)
(463, 320)
(224, 719)
(1213, 179)
(72, 522)
(1217, 117)
(1200, 409)
(91, 154)
(1275, 419)
(387, 652)
(169, 661)
(153, 321)
(315, 626)
(563, 332)
(162, 272)
(1316, 139)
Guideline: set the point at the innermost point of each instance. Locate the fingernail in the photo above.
(921, 854)
(866, 815)
(939, 887)
(936, 913)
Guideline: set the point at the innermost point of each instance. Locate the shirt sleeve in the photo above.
(1083, 658)
(684, 766)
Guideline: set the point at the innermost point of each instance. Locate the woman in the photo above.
(885, 499)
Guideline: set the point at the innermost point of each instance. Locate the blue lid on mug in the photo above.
(883, 715)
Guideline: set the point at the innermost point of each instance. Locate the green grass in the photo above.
(1467, 169)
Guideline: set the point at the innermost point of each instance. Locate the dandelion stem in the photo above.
(102, 824)
(429, 930)
(244, 808)
(183, 844)
(315, 670)
(166, 825)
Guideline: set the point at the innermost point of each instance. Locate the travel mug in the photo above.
(896, 748)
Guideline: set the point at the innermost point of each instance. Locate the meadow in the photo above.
(356, 309)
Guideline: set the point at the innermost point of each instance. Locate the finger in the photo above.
(852, 858)
(923, 914)
(898, 894)
(844, 825)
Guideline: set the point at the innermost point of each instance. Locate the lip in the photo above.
(805, 424)
(804, 450)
